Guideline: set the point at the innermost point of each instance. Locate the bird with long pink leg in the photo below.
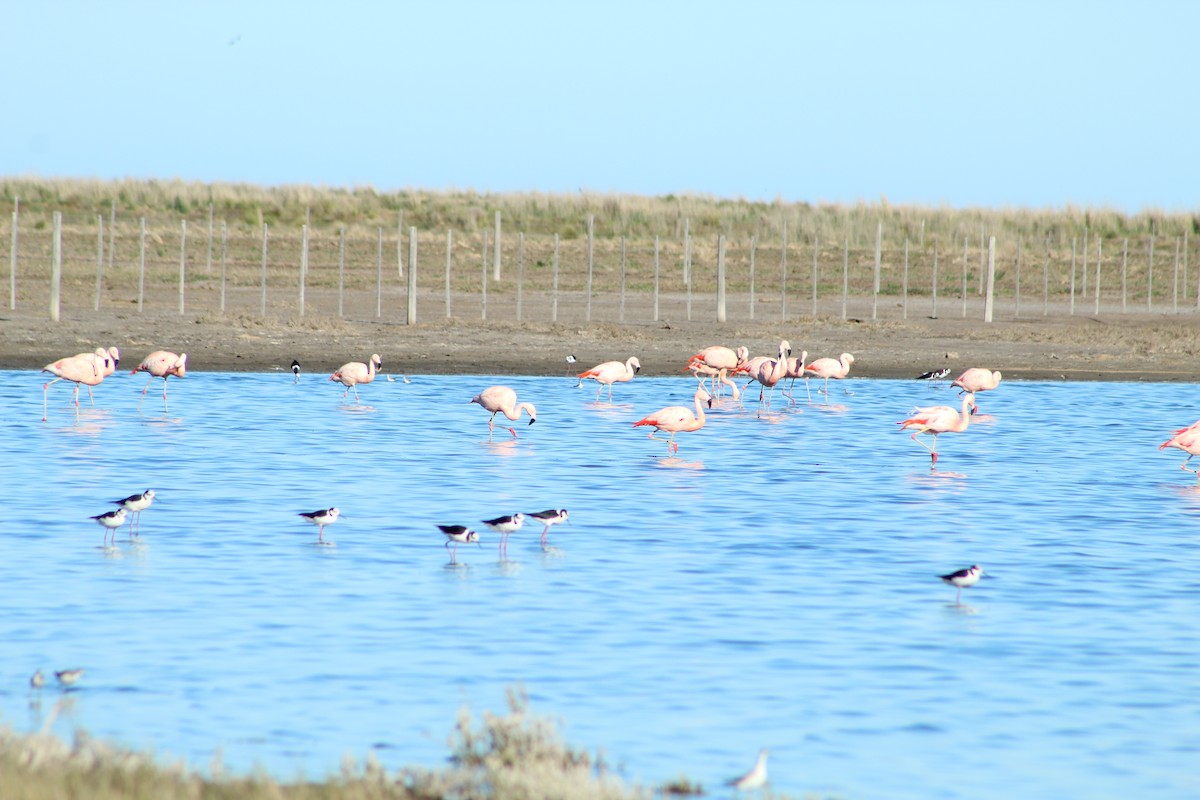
(676, 419)
(503, 400)
(836, 368)
(768, 372)
(1187, 440)
(611, 372)
(937, 419)
(975, 380)
(85, 369)
(355, 372)
(718, 363)
(161, 364)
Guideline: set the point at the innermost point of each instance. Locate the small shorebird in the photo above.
(69, 677)
(37, 680)
(111, 520)
(963, 578)
(550, 517)
(136, 504)
(457, 534)
(756, 778)
(934, 375)
(326, 516)
(295, 371)
(504, 526)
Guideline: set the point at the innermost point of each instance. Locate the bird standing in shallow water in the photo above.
(295, 371)
(457, 534)
(756, 778)
(503, 400)
(136, 504)
(674, 419)
(962, 578)
(161, 364)
(356, 372)
(326, 516)
(1187, 440)
(611, 372)
(550, 517)
(974, 380)
(37, 680)
(69, 677)
(935, 420)
(504, 526)
(111, 521)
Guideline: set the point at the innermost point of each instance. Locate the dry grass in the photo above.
(510, 756)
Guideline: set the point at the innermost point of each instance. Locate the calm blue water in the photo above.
(772, 586)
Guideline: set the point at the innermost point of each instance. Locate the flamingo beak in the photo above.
(532, 420)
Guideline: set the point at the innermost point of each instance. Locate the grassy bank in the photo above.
(511, 756)
(256, 250)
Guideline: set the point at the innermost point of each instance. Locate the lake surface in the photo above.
(772, 585)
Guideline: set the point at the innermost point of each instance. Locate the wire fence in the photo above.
(197, 265)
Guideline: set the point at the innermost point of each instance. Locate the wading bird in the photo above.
(356, 372)
(674, 419)
(503, 400)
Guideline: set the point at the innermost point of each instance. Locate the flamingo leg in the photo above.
(932, 450)
(808, 390)
(144, 389)
(45, 405)
(165, 409)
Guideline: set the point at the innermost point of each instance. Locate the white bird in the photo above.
(960, 579)
(69, 677)
(135, 504)
(549, 517)
(504, 526)
(458, 534)
(321, 518)
(756, 778)
(111, 521)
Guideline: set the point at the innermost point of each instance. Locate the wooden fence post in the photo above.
(1071, 305)
(753, 243)
(933, 310)
(621, 312)
(208, 262)
(845, 275)
(262, 310)
(341, 269)
(687, 272)
(966, 247)
(303, 264)
(1150, 277)
(496, 251)
(56, 268)
(224, 251)
(990, 296)
(783, 273)
(1175, 281)
(12, 256)
(182, 262)
(483, 292)
(449, 256)
(520, 271)
(142, 267)
(1017, 290)
(816, 250)
(1124, 272)
(379, 272)
(721, 278)
(400, 246)
(554, 289)
(99, 260)
(590, 263)
(411, 317)
(904, 284)
(112, 232)
(1099, 261)
(655, 276)
(878, 269)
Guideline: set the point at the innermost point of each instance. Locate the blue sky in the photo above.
(960, 104)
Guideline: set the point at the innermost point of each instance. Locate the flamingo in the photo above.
(938, 419)
(718, 362)
(109, 359)
(976, 379)
(836, 368)
(674, 419)
(795, 369)
(161, 364)
(501, 399)
(768, 371)
(1187, 440)
(611, 372)
(356, 372)
(82, 369)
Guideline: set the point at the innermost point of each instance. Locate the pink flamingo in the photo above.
(674, 419)
(836, 368)
(503, 400)
(718, 362)
(768, 371)
(611, 372)
(935, 420)
(356, 372)
(109, 359)
(1187, 440)
(795, 369)
(161, 364)
(82, 369)
(976, 379)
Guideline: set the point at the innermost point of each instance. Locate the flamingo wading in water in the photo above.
(976, 379)
(836, 368)
(674, 419)
(768, 371)
(935, 420)
(356, 372)
(161, 364)
(82, 369)
(611, 372)
(718, 362)
(1187, 440)
(503, 400)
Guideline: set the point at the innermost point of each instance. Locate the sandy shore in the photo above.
(1055, 347)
